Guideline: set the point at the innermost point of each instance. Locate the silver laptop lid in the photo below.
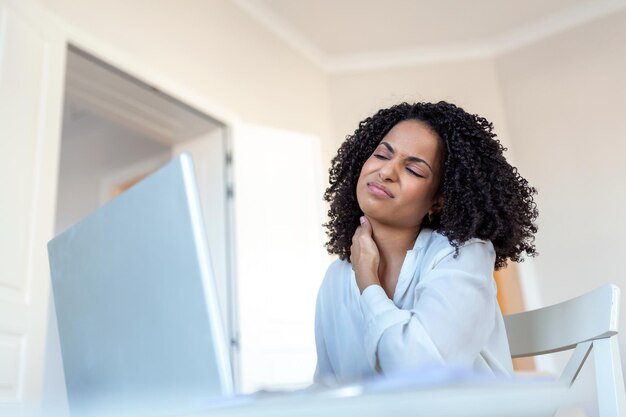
(136, 304)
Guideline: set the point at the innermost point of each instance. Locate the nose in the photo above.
(388, 172)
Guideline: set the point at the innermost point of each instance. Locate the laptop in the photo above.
(138, 317)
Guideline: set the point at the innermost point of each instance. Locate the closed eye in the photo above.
(380, 156)
(415, 173)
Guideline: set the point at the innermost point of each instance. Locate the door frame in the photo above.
(78, 38)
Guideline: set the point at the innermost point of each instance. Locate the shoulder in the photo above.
(337, 267)
(473, 252)
(335, 287)
(337, 273)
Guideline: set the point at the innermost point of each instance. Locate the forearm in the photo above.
(443, 327)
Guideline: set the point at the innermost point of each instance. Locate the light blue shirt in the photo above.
(444, 311)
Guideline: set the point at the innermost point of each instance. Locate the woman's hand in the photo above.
(364, 256)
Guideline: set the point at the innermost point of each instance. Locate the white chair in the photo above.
(587, 324)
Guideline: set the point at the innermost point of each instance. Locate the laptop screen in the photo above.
(136, 305)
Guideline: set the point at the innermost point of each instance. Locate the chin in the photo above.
(373, 211)
(380, 218)
(388, 219)
(367, 209)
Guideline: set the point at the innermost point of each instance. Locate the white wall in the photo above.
(214, 48)
(470, 84)
(564, 101)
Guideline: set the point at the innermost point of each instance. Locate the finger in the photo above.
(353, 248)
(366, 227)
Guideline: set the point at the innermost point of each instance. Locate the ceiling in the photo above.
(96, 87)
(361, 34)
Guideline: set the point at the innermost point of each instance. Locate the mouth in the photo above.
(379, 190)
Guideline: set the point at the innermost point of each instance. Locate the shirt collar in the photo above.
(410, 264)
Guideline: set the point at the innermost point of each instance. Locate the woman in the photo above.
(423, 207)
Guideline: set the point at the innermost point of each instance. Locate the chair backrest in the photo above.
(562, 326)
(586, 323)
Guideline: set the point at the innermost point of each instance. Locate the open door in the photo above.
(32, 60)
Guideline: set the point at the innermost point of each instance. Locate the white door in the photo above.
(280, 254)
(32, 59)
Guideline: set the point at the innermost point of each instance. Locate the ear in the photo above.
(437, 205)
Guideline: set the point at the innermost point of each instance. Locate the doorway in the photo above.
(116, 130)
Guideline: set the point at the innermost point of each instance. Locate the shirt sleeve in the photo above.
(451, 319)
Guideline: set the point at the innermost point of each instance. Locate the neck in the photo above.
(392, 243)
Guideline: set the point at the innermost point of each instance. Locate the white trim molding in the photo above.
(537, 30)
(281, 28)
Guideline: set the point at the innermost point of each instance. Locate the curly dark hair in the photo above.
(483, 195)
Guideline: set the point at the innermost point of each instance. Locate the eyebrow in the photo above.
(409, 158)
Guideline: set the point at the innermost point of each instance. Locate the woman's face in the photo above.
(398, 182)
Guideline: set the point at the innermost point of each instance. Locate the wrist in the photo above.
(365, 280)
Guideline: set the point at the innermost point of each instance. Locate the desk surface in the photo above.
(511, 400)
